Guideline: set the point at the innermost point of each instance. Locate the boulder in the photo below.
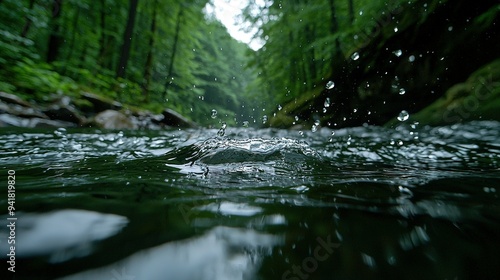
(101, 103)
(111, 119)
(65, 111)
(11, 120)
(477, 98)
(13, 99)
(43, 123)
(147, 120)
(21, 111)
(172, 118)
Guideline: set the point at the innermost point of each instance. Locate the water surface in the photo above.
(368, 202)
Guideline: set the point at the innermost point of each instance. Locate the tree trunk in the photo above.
(28, 23)
(148, 68)
(174, 50)
(127, 40)
(101, 58)
(72, 40)
(350, 10)
(55, 38)
(334, 28)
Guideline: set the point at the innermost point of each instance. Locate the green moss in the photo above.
(83, 104)
(478, 98)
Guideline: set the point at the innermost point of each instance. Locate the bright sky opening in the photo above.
(227, 12)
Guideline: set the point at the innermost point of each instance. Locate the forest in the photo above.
(332, 63)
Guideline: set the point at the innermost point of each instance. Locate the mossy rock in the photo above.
(83, 105)
(478, 98)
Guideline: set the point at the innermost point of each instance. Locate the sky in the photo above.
(227, 12)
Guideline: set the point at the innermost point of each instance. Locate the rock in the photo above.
(111, 119)
(148, 120)
(43, 123)
(11, 120)
(21, 111)
(101, 103)
(13, 99)
(172, 118)
(478, 98)
(65, 111)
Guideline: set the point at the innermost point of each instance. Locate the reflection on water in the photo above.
(219, 254)
(253, 204)
(62, 235)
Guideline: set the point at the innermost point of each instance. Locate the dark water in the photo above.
(365, 203)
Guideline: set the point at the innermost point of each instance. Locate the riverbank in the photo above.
(85, 110)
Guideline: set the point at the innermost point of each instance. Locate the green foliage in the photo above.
(305, 40)
(208, 67)
(37, 80)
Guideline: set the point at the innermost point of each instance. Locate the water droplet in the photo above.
(355, 110)
(450, 28)
(355, 56)
(324, 110)
(301, 133)
(414, 125)
(222, 129)
(396, 29)
(245, 123)
(403, 116)
(330, 85)
(400, 143)
(296, 118)
(331, 136)
(314, 128)
(264, 119)
(402, 91)
(327, 102)
(279, 107)
(214, 113)
(398, 53)
(411, 58)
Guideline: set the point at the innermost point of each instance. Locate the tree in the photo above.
(55, 38)
(168, 81)
(28, 23)
(149, 59)
(127, 39)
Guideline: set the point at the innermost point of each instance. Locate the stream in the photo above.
(411, 202)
